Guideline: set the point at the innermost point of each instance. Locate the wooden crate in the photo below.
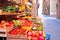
(16, 37)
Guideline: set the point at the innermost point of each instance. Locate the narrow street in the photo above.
(52, 26)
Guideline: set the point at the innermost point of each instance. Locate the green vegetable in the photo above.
(5, 9)
(40, 28)
(18, 22)
(15, 22)
(9, 8)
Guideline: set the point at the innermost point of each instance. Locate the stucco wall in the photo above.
(58, 9)
(46, 7)
(53, 7)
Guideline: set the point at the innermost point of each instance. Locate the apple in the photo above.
(9, 24)
(34, 38)
(44, 35)
(40, 33)
(41, 38)
(3, 23)
(34, 34)
(29, 33)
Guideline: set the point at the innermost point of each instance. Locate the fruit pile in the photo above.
(26, 25)
(7, 24)
(21, 7)
(22, 26)
(32, 27)
(36, 35)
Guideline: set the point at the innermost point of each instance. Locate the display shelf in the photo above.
(16, 36)
(21, 26)
(2, 30)
(11, 13)
(3, 33)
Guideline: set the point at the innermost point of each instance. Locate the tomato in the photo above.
(27, 23)
(14, 32)
(9, 24)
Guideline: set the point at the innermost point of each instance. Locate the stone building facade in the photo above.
(51, 7)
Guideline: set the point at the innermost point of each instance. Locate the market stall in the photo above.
(19, 22)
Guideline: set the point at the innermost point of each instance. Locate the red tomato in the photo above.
(9, 24)
(27, 23)
(14, 32)
(22, 18)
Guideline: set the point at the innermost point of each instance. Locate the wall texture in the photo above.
(53, 7)
(46, 7)
(58, 9)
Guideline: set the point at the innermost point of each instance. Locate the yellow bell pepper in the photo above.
(27, 28)
(21, 7)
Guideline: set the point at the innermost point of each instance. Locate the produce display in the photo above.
(18, 7)
(31, 27)
(24, 24)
